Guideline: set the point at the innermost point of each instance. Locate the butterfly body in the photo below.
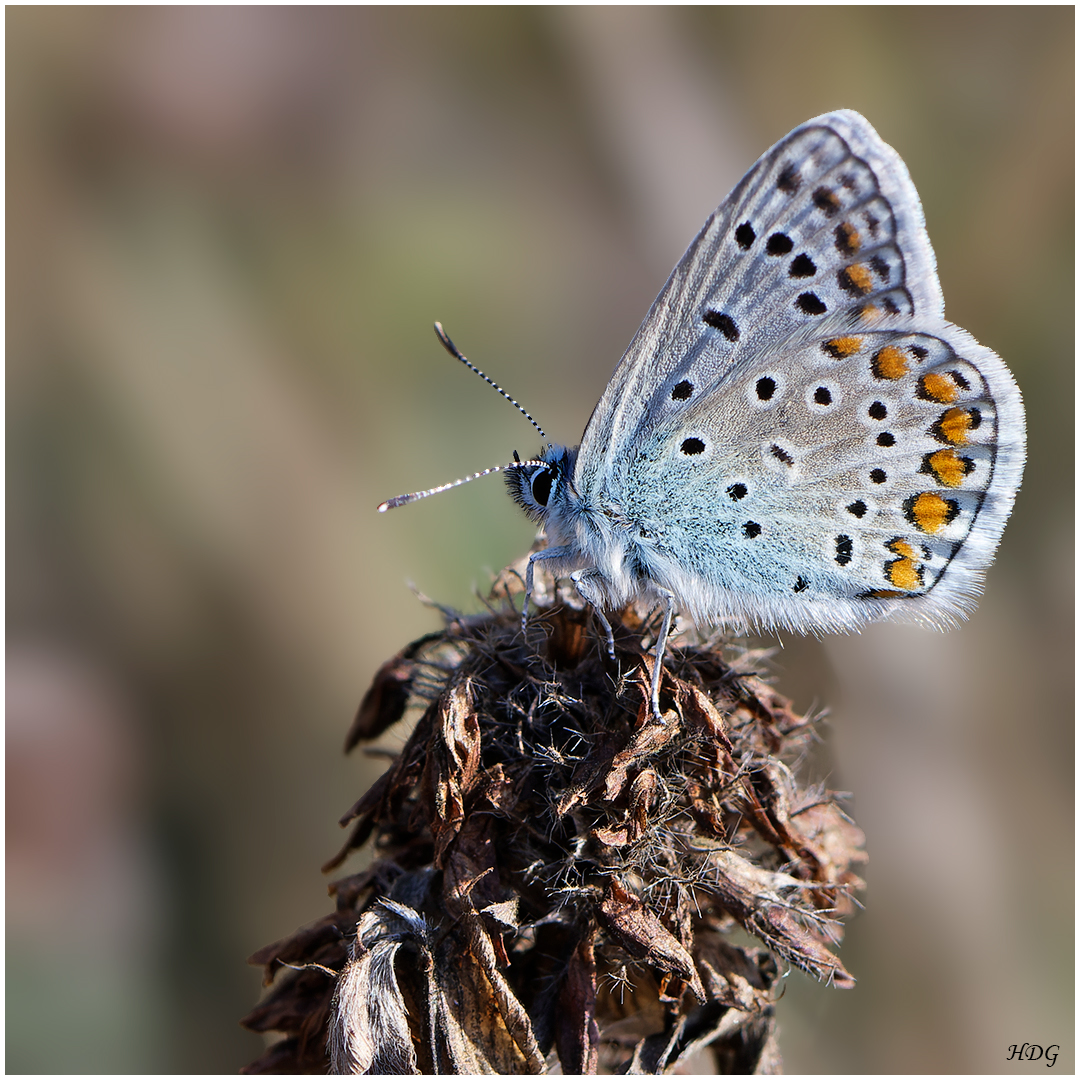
(796, 437)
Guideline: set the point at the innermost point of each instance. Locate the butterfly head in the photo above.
(542, 482)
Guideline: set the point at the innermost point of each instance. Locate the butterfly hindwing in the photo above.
(843, 471)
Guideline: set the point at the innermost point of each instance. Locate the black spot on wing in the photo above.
(810, 304)
(724, 323)
(826, 201)
(789, 180)
(779, 244)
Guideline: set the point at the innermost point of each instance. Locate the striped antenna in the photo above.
(453, 350)
(404, 500)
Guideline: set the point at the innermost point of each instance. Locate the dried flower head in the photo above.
(557, 876)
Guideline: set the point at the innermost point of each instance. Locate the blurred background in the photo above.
(228, 234)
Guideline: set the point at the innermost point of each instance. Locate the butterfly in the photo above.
(796, 437)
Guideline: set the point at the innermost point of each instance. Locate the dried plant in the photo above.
(557, 879)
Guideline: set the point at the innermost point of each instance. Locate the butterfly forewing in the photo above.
(825, 225)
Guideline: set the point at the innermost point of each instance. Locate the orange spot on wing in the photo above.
(948, 467)
(934, 386)
(856, 279)
(903, 572)
(930, 511)
(889, 363)
(953, 426)
(826, 200)
(847, 238)
(841, 347)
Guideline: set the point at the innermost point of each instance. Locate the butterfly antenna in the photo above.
(453, 350)
(404, 500)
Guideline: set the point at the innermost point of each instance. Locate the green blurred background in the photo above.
(229, 231)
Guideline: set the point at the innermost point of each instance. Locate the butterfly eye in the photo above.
(541, 486)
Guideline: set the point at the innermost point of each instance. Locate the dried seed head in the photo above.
(556, 874)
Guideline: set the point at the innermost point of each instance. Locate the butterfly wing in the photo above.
(746, 281)
(833, 482)
(797, 354)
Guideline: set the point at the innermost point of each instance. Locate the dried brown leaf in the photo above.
(300, 946)
(577, 1035)
(388, 696)
(478, 1024)
(453, 764)
(700, 714)
(649, 740)
(753, 895)
(644, 936)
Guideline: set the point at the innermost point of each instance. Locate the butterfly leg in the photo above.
(661, 645)
(582, 581)
(535, 557)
